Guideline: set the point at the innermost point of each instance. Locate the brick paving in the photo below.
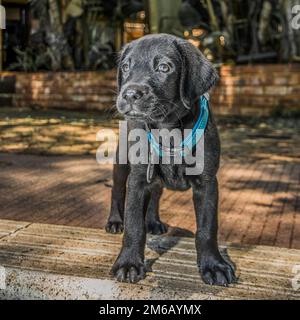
(259, 202)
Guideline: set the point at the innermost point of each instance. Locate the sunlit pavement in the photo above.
(49, 174)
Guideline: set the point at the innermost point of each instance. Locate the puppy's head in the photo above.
(160, 77)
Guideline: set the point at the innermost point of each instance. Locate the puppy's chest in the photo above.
(173, 176)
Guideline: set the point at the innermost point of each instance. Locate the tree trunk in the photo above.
(60, 49)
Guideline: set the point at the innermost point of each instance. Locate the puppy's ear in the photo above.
(122, 56)
(197, 74)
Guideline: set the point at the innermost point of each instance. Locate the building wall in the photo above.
(62, 90)
(256, 90)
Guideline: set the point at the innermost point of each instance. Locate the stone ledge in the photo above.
(57, 262)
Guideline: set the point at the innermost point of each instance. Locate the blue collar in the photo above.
(194, 136)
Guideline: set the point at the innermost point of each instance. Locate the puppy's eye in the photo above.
(163, 67)
(125, 67)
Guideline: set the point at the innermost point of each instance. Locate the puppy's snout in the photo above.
(132, 95)
(135, 93)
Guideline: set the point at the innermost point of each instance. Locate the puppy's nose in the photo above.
(133, 94)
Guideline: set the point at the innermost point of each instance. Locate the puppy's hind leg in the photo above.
(153, 223)
(116, 216)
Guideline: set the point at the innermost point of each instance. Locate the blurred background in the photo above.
(86, 34)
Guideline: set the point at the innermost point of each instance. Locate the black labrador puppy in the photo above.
(160, 80)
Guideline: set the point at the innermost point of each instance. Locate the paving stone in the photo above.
(259, 202)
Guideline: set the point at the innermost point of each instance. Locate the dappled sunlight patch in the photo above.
(74, 133)
(39, 133)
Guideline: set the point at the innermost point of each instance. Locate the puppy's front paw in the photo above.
(114, 227)
(156, 227)
(127, 269)
(216, 271)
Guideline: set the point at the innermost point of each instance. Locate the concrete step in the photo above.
(42, 261)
